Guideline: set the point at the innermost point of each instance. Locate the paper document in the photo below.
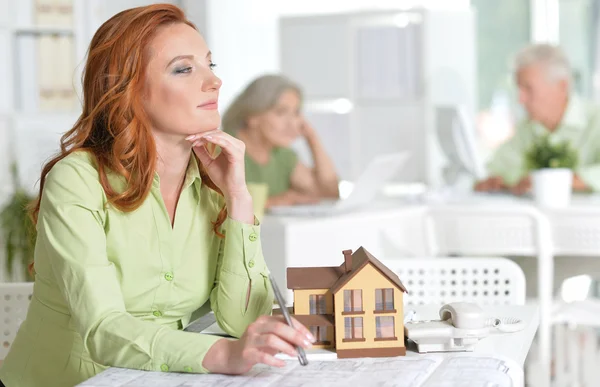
(324, 369)
(471, 371)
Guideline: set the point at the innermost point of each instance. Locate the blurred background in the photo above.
(426, 53)
(376, 76)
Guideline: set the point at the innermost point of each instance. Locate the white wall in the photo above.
(243, 35)
(101, 10)
(5, 183)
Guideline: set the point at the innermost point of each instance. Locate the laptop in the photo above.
(368, 185)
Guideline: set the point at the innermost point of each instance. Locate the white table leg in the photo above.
(545, 285)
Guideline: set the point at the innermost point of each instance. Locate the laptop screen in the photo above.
(372, 179)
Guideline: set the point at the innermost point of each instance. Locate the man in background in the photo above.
(543, 75)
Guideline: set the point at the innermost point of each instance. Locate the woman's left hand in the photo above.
(306, 129)
(226, 169)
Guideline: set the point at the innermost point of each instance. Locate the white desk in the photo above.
(510, 348)
(309, 241)
(400, 230)
(513, 346)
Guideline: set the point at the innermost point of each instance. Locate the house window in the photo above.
(384, 299)
(353, 300)
(320, 334)
(384, 327)
(317, 304)
(353, 327)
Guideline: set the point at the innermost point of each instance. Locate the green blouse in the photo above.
(276, 174)
(116, 289)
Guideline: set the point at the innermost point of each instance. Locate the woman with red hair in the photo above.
(140, 223)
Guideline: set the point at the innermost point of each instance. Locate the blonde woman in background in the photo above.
(267, 117)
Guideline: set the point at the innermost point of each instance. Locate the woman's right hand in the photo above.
(263, 339)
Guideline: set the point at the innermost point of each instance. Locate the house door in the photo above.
(320, 334)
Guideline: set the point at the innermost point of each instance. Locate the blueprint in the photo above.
(469, 370)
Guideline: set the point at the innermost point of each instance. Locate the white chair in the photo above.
(14, 302)
(486, 281)
(506, 229)
(576, 350)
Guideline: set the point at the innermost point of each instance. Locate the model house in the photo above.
(355, 308)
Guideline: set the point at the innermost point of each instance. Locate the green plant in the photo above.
(547, 154)
(16, 228)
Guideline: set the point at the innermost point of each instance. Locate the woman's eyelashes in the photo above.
(182, 69)
(188, 69)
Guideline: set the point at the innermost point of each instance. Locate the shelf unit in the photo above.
(29, 135)
(22, 125)
(31, 131)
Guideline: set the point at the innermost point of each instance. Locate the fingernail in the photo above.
(195, 144)
(307, 344)
(310, 337)
(189, 138)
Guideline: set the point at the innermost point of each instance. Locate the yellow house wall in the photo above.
(302, 306)
(369, 279)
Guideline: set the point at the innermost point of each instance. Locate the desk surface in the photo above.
(578, 200)
(513, 346)
(479, 370)
(383, 205)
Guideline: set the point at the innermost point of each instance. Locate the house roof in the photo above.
(277, 311)
(360, 259)
(313, 277)
(315, 320)
(335, 277)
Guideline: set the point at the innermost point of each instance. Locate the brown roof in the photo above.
(277, 311)
(360, 258)
(334, 277)
(314, 320)
(313, 277)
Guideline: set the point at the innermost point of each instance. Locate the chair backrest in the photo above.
(485, 280)
(499, 227)
(576, 230)
(488, 229)
(14, 302)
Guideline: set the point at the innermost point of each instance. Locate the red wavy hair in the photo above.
(113, 126)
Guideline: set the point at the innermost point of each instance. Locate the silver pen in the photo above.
(281, 301)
